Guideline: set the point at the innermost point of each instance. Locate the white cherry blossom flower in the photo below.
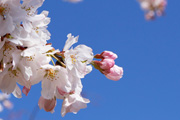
(33, 31)
(78, 58)
(6, 50)
(73, 103)
(31, 6)
(30, 60)
(8, 79)
(10, 15)
(53, 77)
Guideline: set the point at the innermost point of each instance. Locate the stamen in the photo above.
(73, 58)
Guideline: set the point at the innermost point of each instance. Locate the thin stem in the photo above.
(59, 61)
(52, 61)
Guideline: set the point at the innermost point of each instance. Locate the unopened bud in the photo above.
(107, 64)
(26, 90)
(109, 55)
(115, 74)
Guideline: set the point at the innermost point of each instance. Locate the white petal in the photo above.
(73, 103)
(7, 84)
(70, 41)
(48, 89)
(17, 92)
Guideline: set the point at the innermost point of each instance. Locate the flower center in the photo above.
(30, 58)
(51, 74)
(73, 59)
(36, 29)
(8, 49)
(13, 73)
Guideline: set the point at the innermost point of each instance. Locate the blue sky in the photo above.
(148, 51)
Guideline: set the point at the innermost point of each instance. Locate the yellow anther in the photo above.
(51, 73)
(73, 59)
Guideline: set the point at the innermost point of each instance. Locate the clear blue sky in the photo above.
(149, 52)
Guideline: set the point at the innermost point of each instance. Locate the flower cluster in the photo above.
(25, 58)
(153, 8)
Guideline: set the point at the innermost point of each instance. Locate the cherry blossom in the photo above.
(73, 103)
(11, 15)
(78, 58)
(153, 8)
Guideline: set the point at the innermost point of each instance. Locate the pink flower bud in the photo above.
(105, 72)
(104, 65)
(115, 74)
(109, 55)
(26, 90)
(47, 105)
(107, 64)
